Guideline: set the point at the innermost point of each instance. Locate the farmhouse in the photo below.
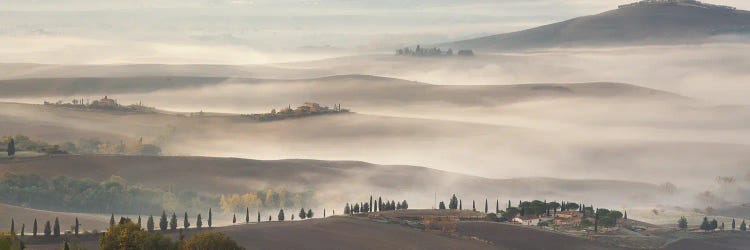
(568, 218)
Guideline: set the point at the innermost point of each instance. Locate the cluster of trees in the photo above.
(606, 217)
(711, 225)
(431, 52)
(129, 235)
(375, 206)
(305, 215)
(13, 144)
(96, 146)
(84, 195)
(265, 199)
(83, 146)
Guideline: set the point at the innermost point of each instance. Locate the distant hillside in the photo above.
(351, 90)
(673, 22)
(327, 178)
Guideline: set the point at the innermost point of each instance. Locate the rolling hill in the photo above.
(26, 216)
(326, 178)
(673, 22)
(357, 90)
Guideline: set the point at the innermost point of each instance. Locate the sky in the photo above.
(260, 31)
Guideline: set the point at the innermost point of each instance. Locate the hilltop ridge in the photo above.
(650, 22)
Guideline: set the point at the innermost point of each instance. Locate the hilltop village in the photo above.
(308, 109)
(106, 104)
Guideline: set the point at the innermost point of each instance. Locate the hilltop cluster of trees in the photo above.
(63, 193)
(600, 216)
(83, 146)
(431, 52)
(266, 199)
(375, 206)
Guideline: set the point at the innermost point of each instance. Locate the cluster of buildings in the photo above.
(563, 219)
(308, 109)
(687, 2)
(105, 103)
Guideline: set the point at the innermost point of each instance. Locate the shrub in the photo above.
(130, 236)
(210, 240)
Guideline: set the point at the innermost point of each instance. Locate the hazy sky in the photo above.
(97, 31)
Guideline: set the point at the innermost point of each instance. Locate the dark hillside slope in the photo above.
(642, 24)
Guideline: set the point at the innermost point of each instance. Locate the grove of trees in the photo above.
(63, 193)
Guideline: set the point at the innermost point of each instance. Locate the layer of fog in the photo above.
(712, 72)
(686, 143)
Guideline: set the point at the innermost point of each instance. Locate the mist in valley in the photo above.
(625, 127)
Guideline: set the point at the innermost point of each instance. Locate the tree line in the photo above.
(375, 205)
(63, 193)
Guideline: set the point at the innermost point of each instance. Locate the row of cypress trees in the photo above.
(375, 206)
(49, 229)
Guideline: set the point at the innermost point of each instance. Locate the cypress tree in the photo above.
(34, 229)
(11, 148)
(247, 215)
(682, 223)
(112, 221)
(47, 229)
(199, 222)
(370, 205)
(453, 204)
(302, 214)
(324, 212)
(209, 218)
(139, 221)
(626, 215)
(12, 226)
(705, 225)
(743, 226)
(186, 222)
(234, 218)
(497, 206)
(473, 206)
(57, 227)
(309, 214)
(734, 225)
(78, 224)
(506, 209)
(258, 216)
(596, 221)
(460, 205)
(485, 206)
(380, 204)
(163, 221)
(150, 223)
(23, 229)
(173, 222)
(269, 218)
